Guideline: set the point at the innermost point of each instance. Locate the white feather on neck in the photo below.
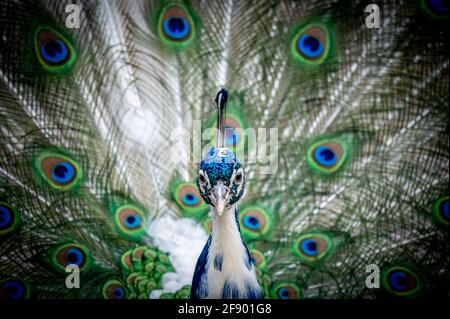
(226, 240)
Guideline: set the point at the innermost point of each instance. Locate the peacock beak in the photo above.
(220, 197)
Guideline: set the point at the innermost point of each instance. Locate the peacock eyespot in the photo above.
(327, 156)
(59, 171)
(311, 45)
(70, 254)
(312, 247)
(114, 289)
(440, 210)
(436, 8)
(176, 25)
(9, 219)
(285, 291)
(255, 222)
(188, 198)
(13, 289)
(54, 52)
(401, 281)
(130, 220)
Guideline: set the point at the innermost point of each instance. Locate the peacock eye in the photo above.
(55, 53)
(114, 289)
(176, 26)
(201, 178)
(238, 178)
(59, 171)
(13, 289)
(9, 219)
(312, 44)
(401, 281)
(286, 290)
(130, 220)
(70, 254)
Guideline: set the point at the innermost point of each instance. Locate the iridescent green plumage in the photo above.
(356, 173)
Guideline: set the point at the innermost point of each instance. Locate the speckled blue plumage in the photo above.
(219, 165)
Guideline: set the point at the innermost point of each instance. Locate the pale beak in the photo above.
(220, 198)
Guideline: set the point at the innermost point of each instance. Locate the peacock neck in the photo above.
(225, 231)
(231, 273)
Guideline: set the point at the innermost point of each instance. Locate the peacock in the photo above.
(321, 171)
(225, 267)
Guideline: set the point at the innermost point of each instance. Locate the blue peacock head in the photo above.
(221, 178)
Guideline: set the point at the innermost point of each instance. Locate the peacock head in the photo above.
(221, 179)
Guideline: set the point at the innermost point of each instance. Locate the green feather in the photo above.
(10, 218)
(375, 99)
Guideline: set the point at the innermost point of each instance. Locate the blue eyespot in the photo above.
(74, 257)
(54, 51)
(310, 46)
(401, 281)
(283, 293)
(309, 247)
(9, 219)
(130, 220)
(5, 216)
(14, 289)
(444, 209)
(252, 222)
(398, 280)
(114, 289)
(118, 293)
(439, 6)
(60, 171)
(325, 156)
(285, 290)
(63, 172)
(190, 199)
(70, 254)
(176, 27)
(133, 221)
